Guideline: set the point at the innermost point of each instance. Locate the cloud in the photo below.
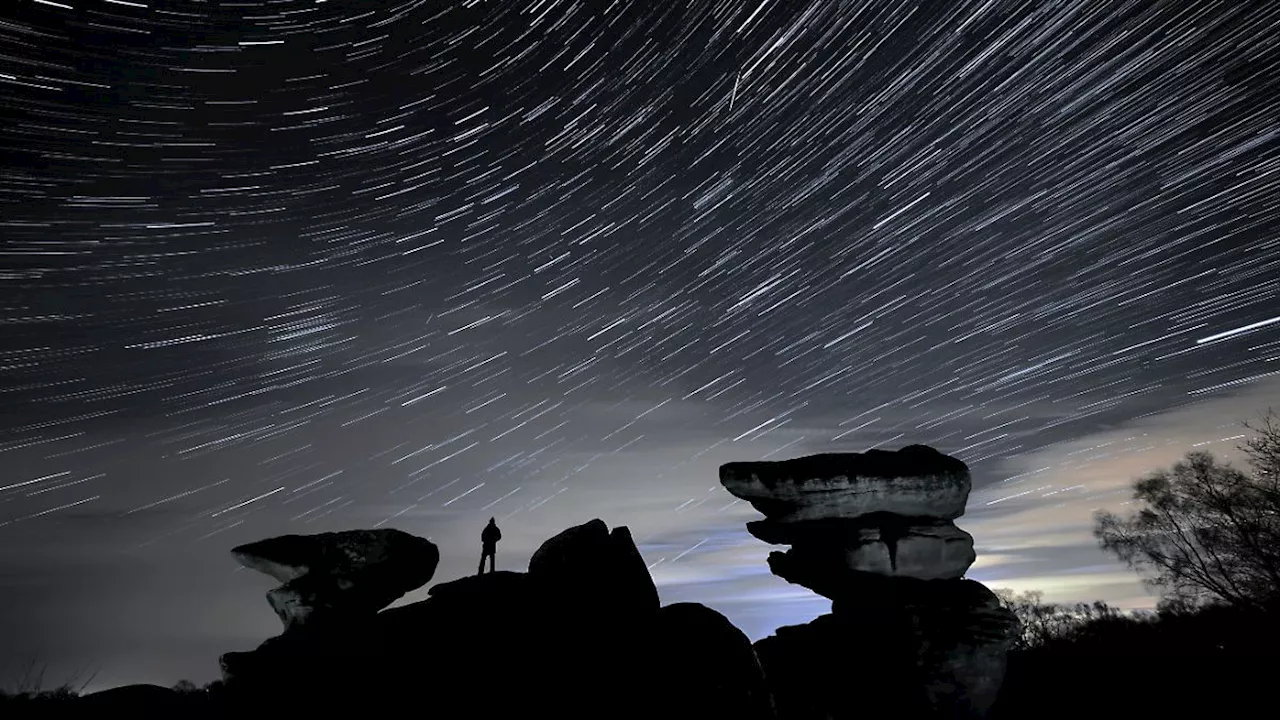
(1042, 517)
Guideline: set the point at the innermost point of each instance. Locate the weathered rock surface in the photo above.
(873, 531)
(289, 557)
(333, 576)
(916, 481)
(927, 550)
(882, 512)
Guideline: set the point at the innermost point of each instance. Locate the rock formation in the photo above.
(603, 568)
(333, 576)
(888, 513)
(916, 481)
(580, 635)
(873, 531)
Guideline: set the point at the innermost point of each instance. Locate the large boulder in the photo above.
(699, 657)
(599, 566)
(916, 481)
(289, 557)
(339, 575)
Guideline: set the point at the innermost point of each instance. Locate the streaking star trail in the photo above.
(299, 266)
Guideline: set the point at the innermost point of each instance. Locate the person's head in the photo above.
(492, 521)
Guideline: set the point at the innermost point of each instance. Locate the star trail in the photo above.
(307, 265)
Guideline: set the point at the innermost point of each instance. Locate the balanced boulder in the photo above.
(881, 512)
(332, 576)
(873, 531)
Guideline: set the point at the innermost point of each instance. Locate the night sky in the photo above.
(294, 266)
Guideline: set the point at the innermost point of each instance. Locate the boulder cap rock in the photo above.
(339, 575)
(916, 481)
(289, 557)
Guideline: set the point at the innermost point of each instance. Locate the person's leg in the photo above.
(493, 560)
(481, 570)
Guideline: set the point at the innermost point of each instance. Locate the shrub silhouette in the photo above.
(29, 686)
(1090, 660)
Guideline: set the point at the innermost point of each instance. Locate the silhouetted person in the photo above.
(489, 544)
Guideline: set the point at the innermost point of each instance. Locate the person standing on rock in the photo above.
(489, 544)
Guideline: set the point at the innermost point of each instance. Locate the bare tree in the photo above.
(1041, 623)
(1206, 531)
(1263, 452)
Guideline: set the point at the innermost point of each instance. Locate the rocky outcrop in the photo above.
(881, 512)
(335, 576)
(580, 635)
(907, 637)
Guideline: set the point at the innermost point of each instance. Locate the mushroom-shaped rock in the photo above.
(339, 574)
(597, 565)
(880, 512)
(916, 481)
(873, 531)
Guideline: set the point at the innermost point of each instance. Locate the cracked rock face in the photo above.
(920, 549)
